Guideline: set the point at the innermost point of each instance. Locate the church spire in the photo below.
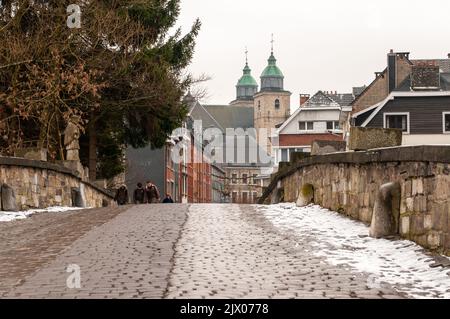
(271, 42)
(247, 86)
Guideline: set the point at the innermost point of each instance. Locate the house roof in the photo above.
(444, 64)
(232, 116)
(198, 112)
(343, 99)
(320, 99)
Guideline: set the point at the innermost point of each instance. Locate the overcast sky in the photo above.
(319, 44)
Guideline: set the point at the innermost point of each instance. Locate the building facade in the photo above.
(411, 95)
(420, 107)
(317, 119)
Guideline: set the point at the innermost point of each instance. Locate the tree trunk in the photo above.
(92, 150)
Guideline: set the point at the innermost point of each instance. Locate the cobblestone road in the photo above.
(168, 251)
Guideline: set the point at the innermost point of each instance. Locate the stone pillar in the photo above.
(8, 199)
(386, 212)
(306, 195)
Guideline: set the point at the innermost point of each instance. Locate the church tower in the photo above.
(246, 87)
(272, 104)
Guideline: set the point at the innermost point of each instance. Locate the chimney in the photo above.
(303, 99)
(392, 71)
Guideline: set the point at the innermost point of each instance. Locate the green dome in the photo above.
(247, 79)
(272, 71)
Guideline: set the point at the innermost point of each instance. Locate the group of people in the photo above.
(142, 195)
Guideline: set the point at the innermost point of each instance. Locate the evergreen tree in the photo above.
(122, 72)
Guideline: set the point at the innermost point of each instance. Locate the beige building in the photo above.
(244, 184)
(272, 104)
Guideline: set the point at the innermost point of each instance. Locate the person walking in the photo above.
(139, 194)
(152, 192)
(122, 195)
(168, 199)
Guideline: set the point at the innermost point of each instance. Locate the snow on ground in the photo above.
(10, 216)
(342, 241)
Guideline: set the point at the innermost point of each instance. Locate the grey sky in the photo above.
(319, 44)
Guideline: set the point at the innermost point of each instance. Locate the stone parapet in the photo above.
(39, 184)
(349, 183)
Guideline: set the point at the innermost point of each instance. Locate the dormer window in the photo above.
(277, 103)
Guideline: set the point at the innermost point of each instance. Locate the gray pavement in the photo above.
(168, 251)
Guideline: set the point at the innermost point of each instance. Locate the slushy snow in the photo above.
(10, 216)
(342, 241)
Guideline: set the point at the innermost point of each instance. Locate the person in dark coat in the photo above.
(122, 195)
(139, 194)
(168, 199)
(152, 193)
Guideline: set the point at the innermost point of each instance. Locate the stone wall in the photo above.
(39, 184)
(349, 182)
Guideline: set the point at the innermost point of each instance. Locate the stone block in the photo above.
(366, 138)
(37, 154)
(74, 166)
(439, 217)
(102, 183)
(420, 204)
(8, 199)
(417, 224)
(299, 156)
(404, 225)
(434, 240)
(327, 147)
(428, 222)
(417, 186)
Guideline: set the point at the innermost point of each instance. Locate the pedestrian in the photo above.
(122, 195)
(152, 192)
(139, 194)
(168, 199)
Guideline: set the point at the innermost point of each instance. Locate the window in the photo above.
(397, 120)
(330, 125)
(277, 103)
(333, 125)
(234, 197)
(233, 178)
(284, 155)
(244, 179)
(244, 197)
(306, 126)
(446, 122)
(337, 125)
(259, 105)
(254, 179)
